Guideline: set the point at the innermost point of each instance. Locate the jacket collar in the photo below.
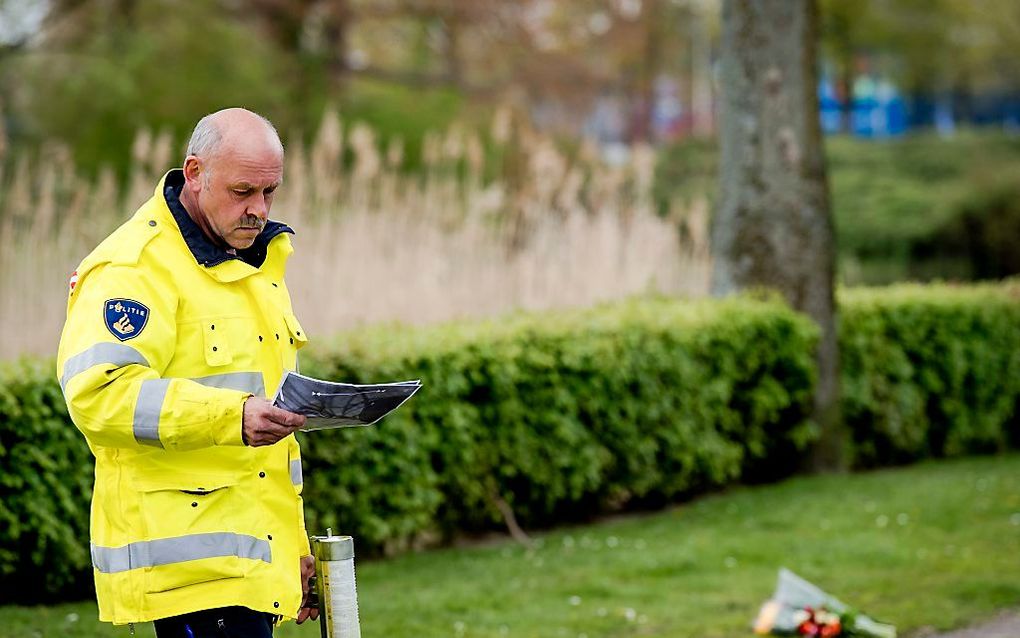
(207, 253)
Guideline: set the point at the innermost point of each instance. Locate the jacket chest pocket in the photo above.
(216, 343)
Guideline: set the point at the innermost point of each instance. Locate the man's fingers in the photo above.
(307, 564)
(265, 424)
(283, 417)
(267, 433)
(272, 430)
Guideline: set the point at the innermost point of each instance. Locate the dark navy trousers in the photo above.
(225, 622)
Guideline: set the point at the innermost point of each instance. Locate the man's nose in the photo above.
(259, 207)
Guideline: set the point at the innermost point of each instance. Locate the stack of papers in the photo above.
(331, 405)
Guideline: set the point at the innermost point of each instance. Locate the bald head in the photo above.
(233, 130)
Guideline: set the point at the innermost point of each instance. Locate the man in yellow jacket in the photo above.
(177, 326)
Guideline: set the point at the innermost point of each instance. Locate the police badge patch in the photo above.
(125, 318)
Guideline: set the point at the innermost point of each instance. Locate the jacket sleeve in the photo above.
(111, 361)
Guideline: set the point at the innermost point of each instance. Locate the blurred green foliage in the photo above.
(983, 237)
(171, 62)
(400, 113)
(95, 93)
(560, 416)
(919, 207)
(925, 45)
(895, 202)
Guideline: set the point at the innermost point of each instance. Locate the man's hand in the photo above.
(264, 424)
(307, 572)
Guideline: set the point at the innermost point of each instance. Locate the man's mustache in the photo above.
(252, 221)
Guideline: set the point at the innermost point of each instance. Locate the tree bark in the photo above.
(702, 117)
(648, 72)
(773, 227)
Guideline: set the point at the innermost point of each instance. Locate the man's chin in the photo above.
(243, 238)
(241, 244)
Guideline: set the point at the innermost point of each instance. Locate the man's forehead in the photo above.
(260, 169)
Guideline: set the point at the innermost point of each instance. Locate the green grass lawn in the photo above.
(936, 544)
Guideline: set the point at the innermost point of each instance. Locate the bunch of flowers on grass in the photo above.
(799, 608)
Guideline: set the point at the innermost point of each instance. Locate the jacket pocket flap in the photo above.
(296, 331)
(191, 483)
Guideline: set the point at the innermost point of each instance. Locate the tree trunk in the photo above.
(773, 228)
(702, 117)
(648, 72)
(336, 23)
(453, 27)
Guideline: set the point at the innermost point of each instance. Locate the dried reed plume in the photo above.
(482, 229)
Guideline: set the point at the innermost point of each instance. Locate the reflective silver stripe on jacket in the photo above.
(295, 472)
(116, 355)
(243, 381)
(165, 551)
(147, 409)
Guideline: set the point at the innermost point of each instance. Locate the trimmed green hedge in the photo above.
(46, 474)
(558, 416)
(930, 370)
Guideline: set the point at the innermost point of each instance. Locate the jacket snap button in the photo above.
(269, 536)
(194, 504)
(275, 286)
(292, 340)
(260, 337)
(276, 604)
(214, 348)
(262, 475)
(277, 335)
(152, 222)
(212, 327)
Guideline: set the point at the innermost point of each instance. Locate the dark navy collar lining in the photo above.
(207, 253)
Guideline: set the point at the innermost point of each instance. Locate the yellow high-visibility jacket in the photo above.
(156, 359)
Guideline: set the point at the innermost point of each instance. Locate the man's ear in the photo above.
(193, 173)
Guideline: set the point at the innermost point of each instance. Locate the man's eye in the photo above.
(243, 192)
(269, 191)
